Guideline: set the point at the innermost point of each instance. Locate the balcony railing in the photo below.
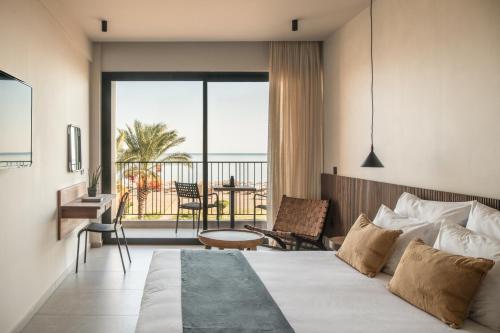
(152, 190)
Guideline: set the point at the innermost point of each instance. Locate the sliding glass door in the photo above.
(159, 141)
(237, 148)
(195, 128)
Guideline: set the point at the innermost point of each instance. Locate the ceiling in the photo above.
(211, 20)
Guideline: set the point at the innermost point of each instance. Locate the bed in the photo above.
(315, 291)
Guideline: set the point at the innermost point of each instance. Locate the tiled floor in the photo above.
(166, 232)
(160, 233)
(100, 298)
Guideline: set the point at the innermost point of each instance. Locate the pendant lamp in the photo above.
(372, 160)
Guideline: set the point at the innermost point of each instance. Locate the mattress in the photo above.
(315, 290)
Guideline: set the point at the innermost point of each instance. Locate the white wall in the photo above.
(35, 49)
(188, 56)
(437, 95)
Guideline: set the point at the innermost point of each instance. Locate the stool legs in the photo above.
(198, 229)
(126, 245)
(120, 249)
(177, 221)
(193, 219)
(85, 252)
(78, 249)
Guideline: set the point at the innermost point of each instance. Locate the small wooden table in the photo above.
(337, 242)
(232, 190)
(231, 239)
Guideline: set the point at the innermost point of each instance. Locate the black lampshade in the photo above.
(372, 161)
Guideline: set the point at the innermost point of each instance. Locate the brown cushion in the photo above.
(437, 282)
(367, 246)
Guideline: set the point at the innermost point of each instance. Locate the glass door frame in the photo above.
(107, 137)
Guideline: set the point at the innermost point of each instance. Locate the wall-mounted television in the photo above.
(15, 122)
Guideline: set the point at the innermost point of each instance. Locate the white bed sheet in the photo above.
(315, 290)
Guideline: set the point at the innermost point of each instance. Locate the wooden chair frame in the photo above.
(293, 236)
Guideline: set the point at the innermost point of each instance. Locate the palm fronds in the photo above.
(143, 143)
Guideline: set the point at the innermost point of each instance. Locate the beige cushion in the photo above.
(367, 247)
(437, 282)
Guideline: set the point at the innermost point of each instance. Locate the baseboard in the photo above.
(41, 301)
(157, 241)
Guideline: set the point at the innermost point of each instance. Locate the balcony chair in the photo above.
(298, 221)
(109, 228)
(258, 206)
(190, 191)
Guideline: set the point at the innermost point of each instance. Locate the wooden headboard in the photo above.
(353, 196)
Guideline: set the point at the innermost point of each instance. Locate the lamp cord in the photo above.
(371, 59)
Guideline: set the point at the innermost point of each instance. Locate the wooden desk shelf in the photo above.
(71, 210)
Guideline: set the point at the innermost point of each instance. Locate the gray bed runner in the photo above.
(222, 293)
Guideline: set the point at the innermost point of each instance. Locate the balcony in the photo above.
(153, 199)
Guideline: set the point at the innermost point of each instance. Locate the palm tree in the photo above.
(147, 143)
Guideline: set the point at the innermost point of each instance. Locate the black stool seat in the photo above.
(99, 227)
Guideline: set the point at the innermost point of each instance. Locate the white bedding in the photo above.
(315, 290)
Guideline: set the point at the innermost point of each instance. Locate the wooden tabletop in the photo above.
(231, 239)
(234, 188)
(78, 203)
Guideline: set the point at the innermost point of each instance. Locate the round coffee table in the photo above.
(231, 239)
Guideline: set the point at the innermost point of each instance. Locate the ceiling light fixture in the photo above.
(104, 26)
(372, 160)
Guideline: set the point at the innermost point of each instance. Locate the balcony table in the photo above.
(232, 190)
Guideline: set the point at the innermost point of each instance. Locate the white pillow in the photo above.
(484, 220)
(433, 211)
(456, 239)
(412, 228)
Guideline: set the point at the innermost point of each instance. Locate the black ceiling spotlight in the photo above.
(372, 160)
(295, 25)
(104, 26)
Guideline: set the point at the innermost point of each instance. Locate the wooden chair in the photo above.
(107, 228)
(299, 221)
(190, 191)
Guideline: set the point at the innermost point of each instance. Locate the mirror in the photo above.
(74, 149)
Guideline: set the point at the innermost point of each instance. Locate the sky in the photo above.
(237, 112)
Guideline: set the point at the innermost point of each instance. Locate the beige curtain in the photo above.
(295, 121)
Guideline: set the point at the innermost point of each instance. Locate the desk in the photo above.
(70, 208)
(231, 191)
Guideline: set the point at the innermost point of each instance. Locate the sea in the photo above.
(230, 157)
(247, 169)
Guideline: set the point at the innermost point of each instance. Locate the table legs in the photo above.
(231, 208)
